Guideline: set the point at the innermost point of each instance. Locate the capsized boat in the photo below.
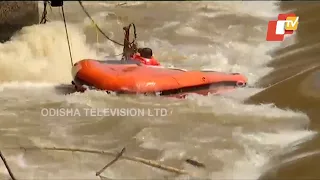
(133, 77)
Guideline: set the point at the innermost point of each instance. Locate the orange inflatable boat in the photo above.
(132, 77)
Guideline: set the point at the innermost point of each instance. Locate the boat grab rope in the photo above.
(65, 27)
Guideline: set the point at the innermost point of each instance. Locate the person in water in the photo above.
(145, 56)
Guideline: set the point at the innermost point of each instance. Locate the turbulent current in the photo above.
(233, 138)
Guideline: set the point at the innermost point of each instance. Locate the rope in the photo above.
(129, 47)
(290, 77)
(7, 166)
(65, 26)
(134, 33)
(98, 28)
(44, 13)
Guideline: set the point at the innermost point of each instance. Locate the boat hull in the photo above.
(136, 78)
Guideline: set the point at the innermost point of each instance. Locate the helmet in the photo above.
(145, 52)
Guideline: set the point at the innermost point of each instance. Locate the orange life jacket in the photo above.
(146, 61)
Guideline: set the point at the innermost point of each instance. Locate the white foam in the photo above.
(221, 105)
(40, 53)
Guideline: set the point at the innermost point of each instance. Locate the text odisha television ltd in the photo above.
(100, 112)
(286, 24)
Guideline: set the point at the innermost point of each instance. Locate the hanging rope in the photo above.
(88, 15)
(65, 26)
(133, 42)
(129, 47)
(290, 77)
(44, 13)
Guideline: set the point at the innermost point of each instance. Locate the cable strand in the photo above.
(88, 15)
(65, 26)
(44, 13)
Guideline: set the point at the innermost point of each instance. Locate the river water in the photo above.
(241, 135)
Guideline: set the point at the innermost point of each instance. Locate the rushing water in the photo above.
(234, 139)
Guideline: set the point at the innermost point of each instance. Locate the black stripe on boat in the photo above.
(191, 89)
